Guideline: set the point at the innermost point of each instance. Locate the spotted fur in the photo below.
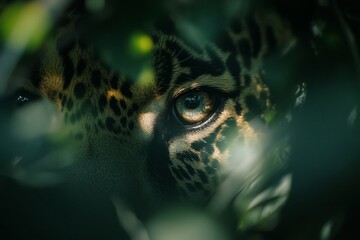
(127, 137)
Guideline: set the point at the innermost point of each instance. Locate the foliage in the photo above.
(325, 131)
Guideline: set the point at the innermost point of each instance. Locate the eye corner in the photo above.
(23, 96)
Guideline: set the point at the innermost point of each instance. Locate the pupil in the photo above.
(192, 102)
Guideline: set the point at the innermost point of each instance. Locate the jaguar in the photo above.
(195, 127)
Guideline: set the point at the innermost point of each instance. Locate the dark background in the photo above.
(325, 134)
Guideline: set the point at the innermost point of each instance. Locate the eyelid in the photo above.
(183, 90)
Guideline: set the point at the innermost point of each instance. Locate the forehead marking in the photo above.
(114, 93)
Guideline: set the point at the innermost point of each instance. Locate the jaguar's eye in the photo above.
(194, 107)
(24, 97)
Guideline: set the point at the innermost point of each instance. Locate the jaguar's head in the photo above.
(200, 115)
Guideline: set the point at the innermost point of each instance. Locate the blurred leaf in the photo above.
(141, 44)
(24, 26)
(269, 115)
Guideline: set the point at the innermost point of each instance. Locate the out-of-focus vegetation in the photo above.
(325, 128)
